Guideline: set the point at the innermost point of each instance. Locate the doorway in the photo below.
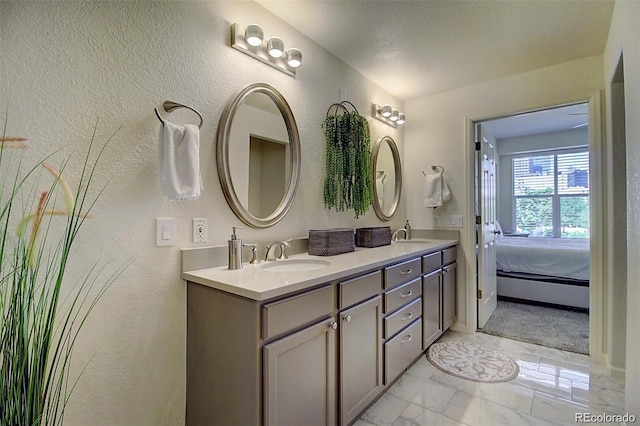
(533, 220)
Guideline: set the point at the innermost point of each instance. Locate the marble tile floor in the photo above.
(551, 388)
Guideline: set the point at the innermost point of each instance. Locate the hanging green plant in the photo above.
(348, 180)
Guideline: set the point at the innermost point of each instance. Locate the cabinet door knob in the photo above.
(408, 271)
(333, 325)
(347, 318)
(407, 339)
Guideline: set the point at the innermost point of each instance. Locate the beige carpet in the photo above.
(554, 328)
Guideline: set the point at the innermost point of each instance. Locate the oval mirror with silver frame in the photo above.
(258, 155)
(387, 175)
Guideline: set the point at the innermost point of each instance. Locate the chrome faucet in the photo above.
(271, 251)
(394, 236)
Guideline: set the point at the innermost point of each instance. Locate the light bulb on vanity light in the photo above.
(275, 47)
(385, 111)
(254, 35)
(294, 58)
(401, 118)
(394, 115)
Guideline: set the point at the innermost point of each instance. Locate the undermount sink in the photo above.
(295, 265)
(413, 241)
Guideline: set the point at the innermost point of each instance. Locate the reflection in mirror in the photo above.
(385, 160)
(258, 155)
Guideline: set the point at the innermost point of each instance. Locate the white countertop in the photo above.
(257, 283)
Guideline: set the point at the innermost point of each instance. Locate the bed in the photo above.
(544, 270)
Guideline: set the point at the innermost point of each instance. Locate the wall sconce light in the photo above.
(388, 115)
(251, 41)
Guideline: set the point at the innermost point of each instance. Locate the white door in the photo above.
(486, 224)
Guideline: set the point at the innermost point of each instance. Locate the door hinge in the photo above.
(477, 146)
(478, 220)
(479, 294)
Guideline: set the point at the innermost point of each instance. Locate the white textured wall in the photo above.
(624, 37)
(441, 137)
(66, 64)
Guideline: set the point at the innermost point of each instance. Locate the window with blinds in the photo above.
(551, 194)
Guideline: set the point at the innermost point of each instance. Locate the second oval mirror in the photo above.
(258, 155)
(387, 175)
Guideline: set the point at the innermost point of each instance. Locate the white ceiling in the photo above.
(418, 48)
(415, 49)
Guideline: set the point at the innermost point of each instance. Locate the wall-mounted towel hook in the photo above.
(170, 106)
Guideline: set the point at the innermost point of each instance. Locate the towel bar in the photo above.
(169, 106)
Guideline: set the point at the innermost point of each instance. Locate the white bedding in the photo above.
(561, 257)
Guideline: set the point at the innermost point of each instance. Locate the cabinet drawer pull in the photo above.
(347, 318)
(407, 294)
(405, 272)
(407, 316)
(333, 325)
(407, 339)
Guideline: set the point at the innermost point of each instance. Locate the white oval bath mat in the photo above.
(472, 362)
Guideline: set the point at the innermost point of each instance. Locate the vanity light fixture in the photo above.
(388, 115)
(251, 41)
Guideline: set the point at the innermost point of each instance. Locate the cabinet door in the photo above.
(448, 295)
(431, 308)
(360, 357)
(299, 377)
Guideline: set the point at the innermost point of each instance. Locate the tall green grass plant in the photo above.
(41, 312)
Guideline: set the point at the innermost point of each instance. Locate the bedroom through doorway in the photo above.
(540, 238)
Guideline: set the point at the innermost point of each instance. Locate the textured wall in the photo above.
(624, 38)
(65, 65)
(443, 136)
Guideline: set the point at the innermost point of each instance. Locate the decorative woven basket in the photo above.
(373, 237)
(329, 242)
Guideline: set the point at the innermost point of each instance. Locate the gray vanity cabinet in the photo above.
(432, 312)
(319, 356)
(299, 377)
(448, 295)
(360, 357)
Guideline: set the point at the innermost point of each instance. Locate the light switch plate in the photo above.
(165, 232)
(454, 221)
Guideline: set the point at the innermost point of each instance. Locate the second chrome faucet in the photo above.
(271, 251)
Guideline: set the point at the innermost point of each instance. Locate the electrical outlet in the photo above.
(199, 230)
(454, 221)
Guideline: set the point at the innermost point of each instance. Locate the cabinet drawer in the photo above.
(360, 288)
(398, 320)
(402, 350)
(431, 262)
(449, 255)
(402, 295)
(401, 273)
(286, 314)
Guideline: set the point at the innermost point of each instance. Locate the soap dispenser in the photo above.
(235, 250)
(407, 228)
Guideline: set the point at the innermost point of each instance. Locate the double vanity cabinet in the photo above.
(320, 354)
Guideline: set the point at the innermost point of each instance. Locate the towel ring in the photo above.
(169, 106)
(438, 169)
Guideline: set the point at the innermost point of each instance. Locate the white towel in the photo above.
(179, 154)
(436, 190)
